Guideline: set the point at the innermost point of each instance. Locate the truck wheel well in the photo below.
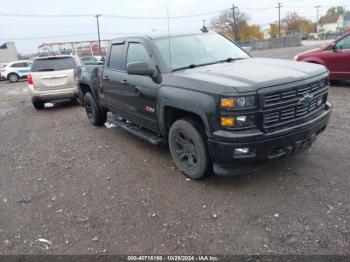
(171, 114)
(84, 88)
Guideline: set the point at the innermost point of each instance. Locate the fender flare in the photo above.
(201, 104)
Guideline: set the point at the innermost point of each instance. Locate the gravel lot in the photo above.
(95, 190)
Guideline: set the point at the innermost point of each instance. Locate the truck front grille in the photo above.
(283, 107)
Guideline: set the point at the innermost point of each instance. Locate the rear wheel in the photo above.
(96, 116)
(13, 77)
(188, 149)
(38, 105)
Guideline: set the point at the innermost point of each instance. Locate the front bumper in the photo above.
(263, 146)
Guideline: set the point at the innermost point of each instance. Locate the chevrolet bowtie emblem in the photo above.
(306, 99)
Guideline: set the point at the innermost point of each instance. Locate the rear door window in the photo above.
(116, 58)
(19, 65)
(53, 64)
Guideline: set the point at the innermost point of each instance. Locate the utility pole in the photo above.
(279, 19)
(234, 21)
(204, 29)
(317, 7)
(98, 33)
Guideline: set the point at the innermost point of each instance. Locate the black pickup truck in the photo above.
(214, 105)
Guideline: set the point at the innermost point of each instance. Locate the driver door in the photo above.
(141, 91)
(338, 60)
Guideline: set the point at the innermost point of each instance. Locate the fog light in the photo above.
(228, 121)
(241, 150)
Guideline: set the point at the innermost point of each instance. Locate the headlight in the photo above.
(296, 58)
(239, 102)
(239, 121)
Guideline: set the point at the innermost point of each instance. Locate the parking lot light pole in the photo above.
(98, 32)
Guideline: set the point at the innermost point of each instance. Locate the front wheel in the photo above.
(13, 78)
(96, 116)
(188, 149)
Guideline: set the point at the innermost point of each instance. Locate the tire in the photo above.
(96, 116)
(188, 149)
(13, 78)
(38, 105)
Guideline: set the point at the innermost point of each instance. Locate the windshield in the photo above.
(194, 50)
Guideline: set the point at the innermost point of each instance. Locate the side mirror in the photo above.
(142, 69)
(333, 46)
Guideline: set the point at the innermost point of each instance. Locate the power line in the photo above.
(109, 15)
(43, 16)
(62, 36)
(164, 17)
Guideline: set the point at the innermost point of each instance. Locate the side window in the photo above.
(28, 64)
(116, 58)
(138, 53)
(17, 65)
(344, 43)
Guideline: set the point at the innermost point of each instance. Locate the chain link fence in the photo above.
(281, 42)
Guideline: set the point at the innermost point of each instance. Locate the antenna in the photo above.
(168, 18)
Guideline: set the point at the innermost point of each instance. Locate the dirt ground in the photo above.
(92, 190)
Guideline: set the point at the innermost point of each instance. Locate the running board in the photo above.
(144, 134)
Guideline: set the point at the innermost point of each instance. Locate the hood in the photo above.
(248, 75)
(312, 51)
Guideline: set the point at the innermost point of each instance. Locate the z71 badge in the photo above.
(149, 109)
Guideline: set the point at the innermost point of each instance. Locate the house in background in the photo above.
(346, 19)
(8, 52)
(330, 24)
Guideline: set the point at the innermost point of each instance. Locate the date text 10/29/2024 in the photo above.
(173, 258)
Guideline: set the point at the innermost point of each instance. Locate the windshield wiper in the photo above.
(186, 67)
(229, 59)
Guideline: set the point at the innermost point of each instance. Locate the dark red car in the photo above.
(335, 56)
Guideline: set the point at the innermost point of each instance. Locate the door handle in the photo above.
(124, 82)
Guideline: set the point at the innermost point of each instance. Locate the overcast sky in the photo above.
(30, 32)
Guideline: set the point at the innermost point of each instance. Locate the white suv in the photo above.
(16, 70)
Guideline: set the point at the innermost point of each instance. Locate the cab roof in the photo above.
(157, 35)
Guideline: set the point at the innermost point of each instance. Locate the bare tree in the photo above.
(224, 23)
(293, 23)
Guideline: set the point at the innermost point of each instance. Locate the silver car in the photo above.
(52, 78)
